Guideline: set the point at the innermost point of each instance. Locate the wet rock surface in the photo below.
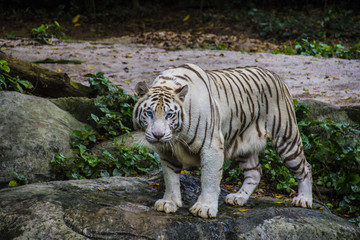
(122, 208)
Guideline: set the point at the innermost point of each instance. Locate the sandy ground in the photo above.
(334, 81)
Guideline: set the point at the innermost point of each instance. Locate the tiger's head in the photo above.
(159, 111)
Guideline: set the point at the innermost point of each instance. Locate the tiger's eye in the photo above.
(149, 113)
(169, 115)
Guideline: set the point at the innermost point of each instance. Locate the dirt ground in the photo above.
(330, 80)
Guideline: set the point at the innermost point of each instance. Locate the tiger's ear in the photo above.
(141, 89)
(182, 91)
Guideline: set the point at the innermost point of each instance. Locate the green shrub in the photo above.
(116, 106)
(318, 49)
(11, 83)
(46, 32)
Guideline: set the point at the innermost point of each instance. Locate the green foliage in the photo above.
(115, 104)
(318, 49)
(116, 107)
(46, 32)
(122, 161)
(220, 46)
(289, 23)
(19, 179)
(10, 83)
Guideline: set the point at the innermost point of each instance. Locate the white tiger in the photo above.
(193, 117)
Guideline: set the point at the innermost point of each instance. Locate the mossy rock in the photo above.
(79, 107)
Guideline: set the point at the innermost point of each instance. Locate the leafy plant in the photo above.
(10, 83)
(20, 179)
(318, 49)
(46, 32)
(116, 107)
(84, 165)
(115, 104)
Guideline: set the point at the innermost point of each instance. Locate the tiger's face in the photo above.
(159, 112)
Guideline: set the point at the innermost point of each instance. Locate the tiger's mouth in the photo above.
(158, 138)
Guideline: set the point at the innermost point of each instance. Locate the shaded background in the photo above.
(276, 21)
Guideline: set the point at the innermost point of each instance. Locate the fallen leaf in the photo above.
(229, 186)
(278, 196)
(279, 202)
(348, 99)
(129, 55)
(185, 172)
(76, 18)
(60, 70)
(77, 25)
(100, 189)
(243, 210)
(186, 18)
(13, 183)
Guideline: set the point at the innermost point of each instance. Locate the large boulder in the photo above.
(122, 208)
(32, 130)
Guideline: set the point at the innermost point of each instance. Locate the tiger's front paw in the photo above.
(166, 206)
(236, 199)
(204, 210)
(302, 201)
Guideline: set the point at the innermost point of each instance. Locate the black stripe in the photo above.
(264, 78)
(189, 114)
(224, 88)
(196, 130)
(227, 75)
(237, 86)
(252, 73)
(214, 80)
(203, 142)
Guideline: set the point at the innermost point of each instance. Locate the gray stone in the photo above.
(320, 111)
(121, 208)
(32, 130)
(79, 107)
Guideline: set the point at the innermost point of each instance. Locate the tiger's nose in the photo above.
(158, 135)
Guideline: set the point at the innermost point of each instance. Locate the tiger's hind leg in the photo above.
(252, 174)
(294, 159)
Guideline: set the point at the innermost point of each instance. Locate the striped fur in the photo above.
(200, 118)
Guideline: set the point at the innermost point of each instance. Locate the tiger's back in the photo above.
(255, 105)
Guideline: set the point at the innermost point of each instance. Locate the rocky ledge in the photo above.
(122, 208)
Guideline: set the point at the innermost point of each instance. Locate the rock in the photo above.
(32, 130)
(79, 107)
(353, 112)
(129, 140)
(122, 208)
(320, 111)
